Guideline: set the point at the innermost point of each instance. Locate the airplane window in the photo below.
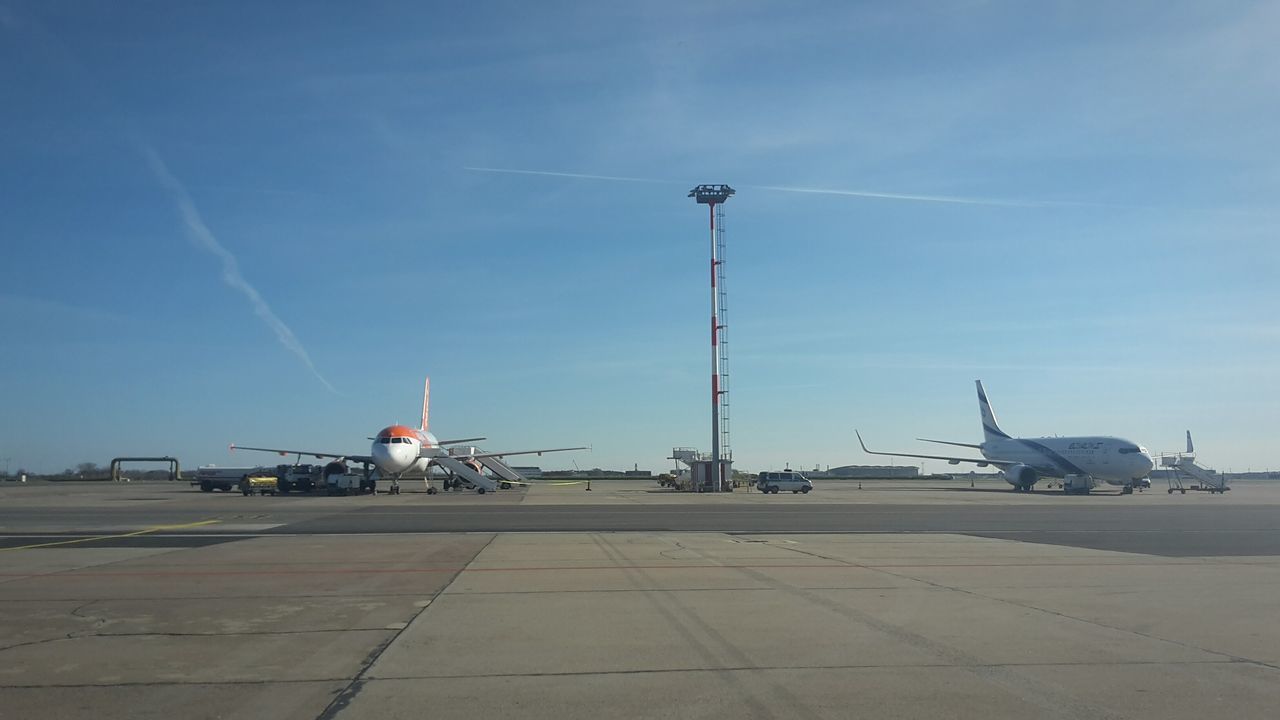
(1127, 450)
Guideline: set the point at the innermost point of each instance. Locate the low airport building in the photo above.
(871, 471)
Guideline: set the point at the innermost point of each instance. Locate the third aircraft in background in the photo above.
(1080, 462)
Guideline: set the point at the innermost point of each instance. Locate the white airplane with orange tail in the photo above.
(400, 450)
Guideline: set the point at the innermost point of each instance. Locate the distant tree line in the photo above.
(84, 471)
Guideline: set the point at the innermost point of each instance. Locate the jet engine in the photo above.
(1021, 477)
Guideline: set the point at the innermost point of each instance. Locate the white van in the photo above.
(772, 482)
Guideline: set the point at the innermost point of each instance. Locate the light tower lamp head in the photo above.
(711, 194)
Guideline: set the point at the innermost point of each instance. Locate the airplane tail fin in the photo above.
(990, 428)
(1190, 447)
(426, 404)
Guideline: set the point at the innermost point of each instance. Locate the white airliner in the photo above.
(400, 450)
(1078, 461)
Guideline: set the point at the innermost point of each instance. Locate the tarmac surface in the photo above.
(896, 600)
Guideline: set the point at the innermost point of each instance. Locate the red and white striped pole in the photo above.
(715, 360)
(712, 196)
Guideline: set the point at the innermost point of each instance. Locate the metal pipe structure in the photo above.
(711, 196)
(175, 468)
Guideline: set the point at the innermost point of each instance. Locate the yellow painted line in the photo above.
(184, 526)
(135, 533)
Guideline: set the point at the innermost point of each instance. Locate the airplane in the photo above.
(1078, 461)
(400, 450)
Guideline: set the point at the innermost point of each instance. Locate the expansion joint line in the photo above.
(1026, 606)
(344, 697)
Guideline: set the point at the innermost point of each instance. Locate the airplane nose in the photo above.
(403, 456)
(391, 458)
(1145, 464)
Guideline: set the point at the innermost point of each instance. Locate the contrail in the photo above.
(64, 60)
(996, 202)
(203, 236)
(581, 176)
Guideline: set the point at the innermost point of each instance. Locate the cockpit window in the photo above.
(385, 440)
(1125, 450)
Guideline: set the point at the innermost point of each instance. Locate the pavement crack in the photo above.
(1047, 611)
(45, 641)
(1051, 701)
(687, 619)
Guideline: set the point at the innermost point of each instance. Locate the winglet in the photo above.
(860, 442)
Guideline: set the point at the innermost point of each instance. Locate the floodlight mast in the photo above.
(714, 196)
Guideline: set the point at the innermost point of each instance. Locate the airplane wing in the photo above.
(951, 442)
(980, 462)
(367, 459)
(498, 454)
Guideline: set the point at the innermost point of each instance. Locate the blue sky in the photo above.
(254, 223)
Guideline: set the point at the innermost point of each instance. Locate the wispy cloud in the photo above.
(957, 200)
(908, 197)
(231, 274)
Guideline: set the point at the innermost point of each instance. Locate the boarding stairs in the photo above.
(453, 462)
(503, 470)
(1182, 466)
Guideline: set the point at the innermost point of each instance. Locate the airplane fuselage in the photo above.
(1113, 460)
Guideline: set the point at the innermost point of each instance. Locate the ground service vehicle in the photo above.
(264, 483)
(212, 477)
(348, 483)
(303, 478)
(772, 482)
